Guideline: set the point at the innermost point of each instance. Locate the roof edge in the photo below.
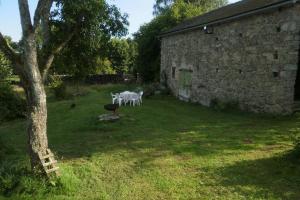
(226, 19)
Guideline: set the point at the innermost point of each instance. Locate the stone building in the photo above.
(246, 53)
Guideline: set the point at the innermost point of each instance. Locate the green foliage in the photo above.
(60, 91)
(5, 68)
(121, 53)
(162, 6)
(5, 65)
(149, 90)
(296, 141)
(12, 106)
(104, 66)
(58, 87)
(96, 24)
(132, 55)
(221, 105)
(152, 89)
(148, 59)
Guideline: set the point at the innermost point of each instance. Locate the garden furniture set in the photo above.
(126, 97)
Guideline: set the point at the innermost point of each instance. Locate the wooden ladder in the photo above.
(49, 163)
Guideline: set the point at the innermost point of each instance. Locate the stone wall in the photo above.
(251, 60)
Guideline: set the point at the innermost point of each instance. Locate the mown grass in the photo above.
(165, 149)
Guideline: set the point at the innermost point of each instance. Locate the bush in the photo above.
(12, 106)
(58, 87)
(296, 142)
(221, 105)
(165, 90)
(5, 69)
(150, 89)
(60, 92)
(153, 89)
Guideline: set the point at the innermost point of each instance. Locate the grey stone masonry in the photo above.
(252, 61)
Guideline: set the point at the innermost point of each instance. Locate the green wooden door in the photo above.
(185, 84)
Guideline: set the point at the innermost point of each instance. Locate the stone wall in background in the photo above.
(252, 61)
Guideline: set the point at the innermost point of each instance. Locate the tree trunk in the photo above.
(32, 72)
(36, 102)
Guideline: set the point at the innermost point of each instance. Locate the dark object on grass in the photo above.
(111, 107)
(73, 105)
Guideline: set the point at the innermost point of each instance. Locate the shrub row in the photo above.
(12, 106)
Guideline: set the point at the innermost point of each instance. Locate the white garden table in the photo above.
(126, 97)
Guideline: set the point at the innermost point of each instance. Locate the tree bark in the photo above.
(36, 102)
(32, 71)
(34, 90)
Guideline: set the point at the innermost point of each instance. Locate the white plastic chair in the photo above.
(115, 97)
(140, 96)
(135, 99)
(120, 99)
(124, 96)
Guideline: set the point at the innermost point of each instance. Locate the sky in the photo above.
(139, 11)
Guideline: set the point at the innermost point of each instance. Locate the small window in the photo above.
(275, 74)
(278, 29)
(173, 72)
(217, 70)
(240, 71)
(241, 34)
(276, 55)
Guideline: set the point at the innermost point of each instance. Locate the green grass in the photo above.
(14, 78)
(165, 149)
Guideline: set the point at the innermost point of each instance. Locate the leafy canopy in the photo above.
(162, 6)
(5, 65)
(168, 14)
(94, 26)
(121, 53)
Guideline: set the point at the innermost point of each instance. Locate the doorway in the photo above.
(185, 84)
(297, 84)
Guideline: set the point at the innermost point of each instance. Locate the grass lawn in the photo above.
(14, 78)
(165, 149)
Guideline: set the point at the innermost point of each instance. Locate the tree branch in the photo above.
(37, 14)
(42, 13)
(25, 17)
(50, 57)
(11, 55)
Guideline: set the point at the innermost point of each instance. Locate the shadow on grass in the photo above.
(164, 126)
(217, 133)
(277, 176)
(162, 123)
